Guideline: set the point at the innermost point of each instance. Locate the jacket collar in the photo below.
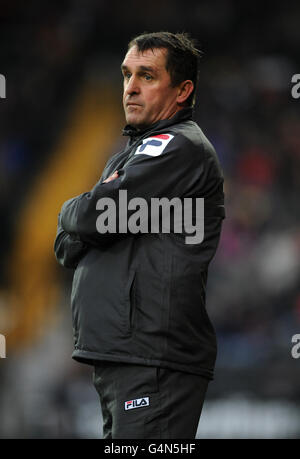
(182, 115)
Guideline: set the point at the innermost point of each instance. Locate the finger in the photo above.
(112, 177)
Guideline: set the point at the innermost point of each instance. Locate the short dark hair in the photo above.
(182, 57)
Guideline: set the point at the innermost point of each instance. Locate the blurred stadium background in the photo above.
(62, 119)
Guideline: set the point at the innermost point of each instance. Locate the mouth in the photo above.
(132, 104)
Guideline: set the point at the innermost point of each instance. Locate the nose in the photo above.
(132, 87)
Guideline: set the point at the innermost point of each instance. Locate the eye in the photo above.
(148, 77)
(127, 75)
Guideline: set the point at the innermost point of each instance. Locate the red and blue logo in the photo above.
(137, 403)
(154, 145)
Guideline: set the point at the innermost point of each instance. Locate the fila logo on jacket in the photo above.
(137, 403)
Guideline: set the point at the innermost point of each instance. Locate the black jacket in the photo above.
(140, 298)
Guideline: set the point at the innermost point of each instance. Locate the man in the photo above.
(138, 297)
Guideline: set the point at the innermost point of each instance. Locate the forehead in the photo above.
(155, 57)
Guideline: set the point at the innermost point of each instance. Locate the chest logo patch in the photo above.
(154, 145)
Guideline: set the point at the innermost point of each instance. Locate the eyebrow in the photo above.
(142, 68)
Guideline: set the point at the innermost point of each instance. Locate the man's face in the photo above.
(148, 95)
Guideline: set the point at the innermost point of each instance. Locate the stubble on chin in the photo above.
(132, 119)
(134, 116)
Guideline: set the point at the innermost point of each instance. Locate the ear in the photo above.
(184, 91)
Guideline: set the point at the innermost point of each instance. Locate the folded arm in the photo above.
(178, 171)
(68, 248)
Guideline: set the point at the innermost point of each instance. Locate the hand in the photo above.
(112, 177)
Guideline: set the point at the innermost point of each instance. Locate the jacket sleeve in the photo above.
(177, 171)
(68, 248)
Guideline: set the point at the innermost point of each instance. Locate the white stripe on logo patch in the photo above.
(137, 403)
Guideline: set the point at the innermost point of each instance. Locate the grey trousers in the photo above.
(142, 402)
